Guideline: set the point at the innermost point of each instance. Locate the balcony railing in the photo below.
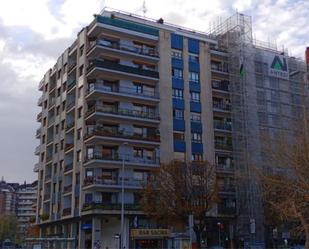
(68, 167)
(39, 116)
(67, 189)
(37, 150)
(68, 147)
(38, 132)
(221, 85)
(51, 120)
(70, 105)
(40, 101)
(225, 167)
(71, 66)
(120, 134)
(71, 85)
(117, 157)
(114, 181)
(221, 125)
(222, 106)
(122, 47)
(223, 145)
(69, 126)
(111, 206)
(123, 112)
(46, 196)
(66, 211)
(123, 68)
(124, 90)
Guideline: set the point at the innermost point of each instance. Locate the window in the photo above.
(57, 129)
(81, 50)
(176, 54)
(62, 124)
(61, 144)
(80, 111)
(59, 74)
(79, 133)
(193, 58)
(177, 73)
(196, 137)
(58, 91)
(80, 70)
(45, 104)
(177, 93)
(79, 156)
(64, 86)
(80, 92)
(61, 165)
(63, 105)
(137, 130)
(56, 148)
(195, 96)
(178, 114)
(44, 121)
(179, 136)
(138, 88)
(137, 152)
(196, 157)
(195, 117)
(194, 76)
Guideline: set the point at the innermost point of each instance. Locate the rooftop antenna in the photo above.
(144, 9)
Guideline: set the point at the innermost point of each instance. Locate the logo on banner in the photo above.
(279, 67)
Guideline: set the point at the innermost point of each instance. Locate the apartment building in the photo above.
(7, 198)
(26, 198)
(133, 92)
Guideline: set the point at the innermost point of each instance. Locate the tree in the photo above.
(8, 227)
(178, 190)
(286, 186)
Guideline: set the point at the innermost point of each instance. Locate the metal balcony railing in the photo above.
(66, 211)
(122, 47)
(111, 206)
(117, 157)
(123, 112)
(67, 189)
(221, 106)
(68, 167)
(68, 147)
(69, 126)
(223, 145)
(221, 85)
(70, 105)
(125, 90)
(222, 125)
(123, 68)
(120, 134)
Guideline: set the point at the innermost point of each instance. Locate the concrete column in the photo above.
(96, 232)
(206, 102)
(165, 91)
(81, 239)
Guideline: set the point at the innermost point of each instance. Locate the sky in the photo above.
(34, 33)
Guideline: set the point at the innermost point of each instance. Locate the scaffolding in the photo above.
(235, 36)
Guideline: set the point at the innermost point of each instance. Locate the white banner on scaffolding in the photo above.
(278, 66)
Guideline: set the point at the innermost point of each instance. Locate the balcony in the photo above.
(224, 168)
(52, 102)
(115, 48)
(71, 66)
(68, 147)
(110, 206)
(115, 158)
(47, 177)
(220, 106)
(51, 120)
(49, 158)
(41, 85)
(67, 189)
(222, 126)
(124, 92)
(122, 113)
(219, 145)
(115, 68)
(69, 126)
(46, 196)
(40, 101)
(39, 117)
(118, 136)
(66, 211)
(37, 150)
(36, 167)
(38, 133)
(71, 85)
(68, 167)
(70, 105)
(222, 86)
(113, 183)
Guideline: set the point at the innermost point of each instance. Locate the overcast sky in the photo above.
(34, 33)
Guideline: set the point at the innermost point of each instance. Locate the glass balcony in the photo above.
(120, 134)
(222, 125)
(68, 167)
(123, 112)
(146, 51)
(221, 85)
(221, 106)
(117, 157)
(96, 180)
(111, 206)
(123, 90)
(123, 68)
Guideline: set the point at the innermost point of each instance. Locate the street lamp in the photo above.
(122, 201)
(219, 232)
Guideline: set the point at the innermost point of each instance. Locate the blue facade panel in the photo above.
(177, 63)
(197, 147)
(177, 83)
(179, 125)
(179, 146)
(178, 104)
(194, 46)
(194, 67)
(194, 86)
(176, 41)
(195, 107)
(196, 127)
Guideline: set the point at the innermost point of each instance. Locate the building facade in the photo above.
(7, 198)
(132, 92)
